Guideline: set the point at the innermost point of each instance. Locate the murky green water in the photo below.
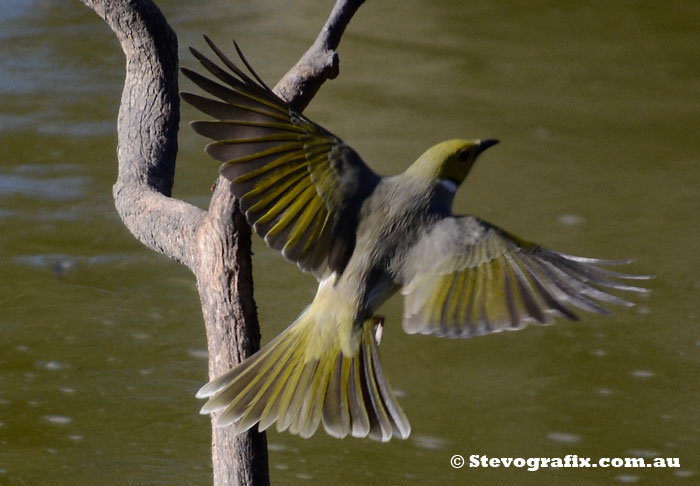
(597, 105)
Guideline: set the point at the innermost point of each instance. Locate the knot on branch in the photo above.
(331, 64)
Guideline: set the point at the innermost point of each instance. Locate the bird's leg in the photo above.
(378, 322)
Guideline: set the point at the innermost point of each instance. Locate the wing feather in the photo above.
(487, 280)
(295, 180)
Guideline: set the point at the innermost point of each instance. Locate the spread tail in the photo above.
(287, 383)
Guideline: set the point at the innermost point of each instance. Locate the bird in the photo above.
(366, 237)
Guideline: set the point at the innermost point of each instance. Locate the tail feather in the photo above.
(285, 385)
(358, 413)
(380, 420)
(231, 388)
(262, 398)
(297, 395)
(336, 416)
(391, 418)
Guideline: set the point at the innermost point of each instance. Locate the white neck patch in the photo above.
(449, 185)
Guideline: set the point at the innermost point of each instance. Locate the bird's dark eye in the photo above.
(463, 156)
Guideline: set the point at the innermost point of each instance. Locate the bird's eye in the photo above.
(463, 156)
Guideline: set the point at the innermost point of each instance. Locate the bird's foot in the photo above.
(378, 322)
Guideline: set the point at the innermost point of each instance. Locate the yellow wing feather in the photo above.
(293, 178)
(487, 281)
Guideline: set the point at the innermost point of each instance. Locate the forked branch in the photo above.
(213, 244)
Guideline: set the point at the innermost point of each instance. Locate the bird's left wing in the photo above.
(465, 277)
(299, 186)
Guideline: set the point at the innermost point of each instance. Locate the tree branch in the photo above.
(147, 130)
(225, 284)
(214, 245)
(320, 62)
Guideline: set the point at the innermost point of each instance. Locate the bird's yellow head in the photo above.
(450, 160)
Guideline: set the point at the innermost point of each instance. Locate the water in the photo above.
(597, 106)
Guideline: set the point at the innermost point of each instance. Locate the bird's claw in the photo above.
(378, 322)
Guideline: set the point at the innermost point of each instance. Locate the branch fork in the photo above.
(213, 244)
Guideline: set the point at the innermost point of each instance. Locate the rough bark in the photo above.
(213, 244)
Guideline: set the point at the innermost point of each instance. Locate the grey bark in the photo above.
(213, 244)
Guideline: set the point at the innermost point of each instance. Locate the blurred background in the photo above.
(597, 106)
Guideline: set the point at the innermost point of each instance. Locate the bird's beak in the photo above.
(484, 144)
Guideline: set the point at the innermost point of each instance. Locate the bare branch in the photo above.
(215, 244)
(225, 284)
(147, 130)
(320, 62)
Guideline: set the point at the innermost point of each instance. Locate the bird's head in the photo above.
(450, 160)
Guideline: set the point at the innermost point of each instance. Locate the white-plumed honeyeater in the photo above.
(365, 237)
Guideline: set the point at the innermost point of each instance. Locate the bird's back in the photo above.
(400, 210)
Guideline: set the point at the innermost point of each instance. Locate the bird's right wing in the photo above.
(299, 186)
(466, 277)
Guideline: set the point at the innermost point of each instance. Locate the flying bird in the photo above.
(365, 237)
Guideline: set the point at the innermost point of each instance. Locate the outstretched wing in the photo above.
(295, 180)
(466, 277)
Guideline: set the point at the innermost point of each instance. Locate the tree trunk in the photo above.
(213, 244)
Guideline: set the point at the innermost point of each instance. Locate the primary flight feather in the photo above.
(366, 237)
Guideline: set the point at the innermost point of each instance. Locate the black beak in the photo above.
(484, 144)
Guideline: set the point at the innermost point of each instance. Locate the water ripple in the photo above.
(54, 189)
